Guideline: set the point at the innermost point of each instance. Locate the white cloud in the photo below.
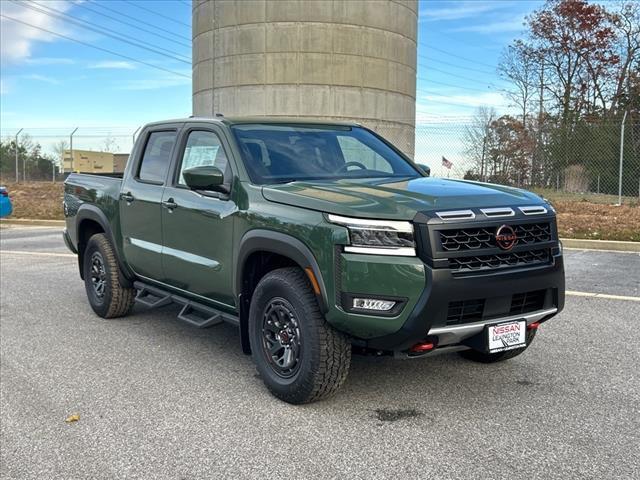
(458, 10)
(49, 61)
(490, 99)
(17, 39)
(155, 83)
(437, 106)
(515, 24)
(41, 78)
(114, 65)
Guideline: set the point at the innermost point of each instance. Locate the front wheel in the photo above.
(107, 297)
(299, 356)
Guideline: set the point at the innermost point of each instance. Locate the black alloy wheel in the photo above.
(281, 338)
(98, 274)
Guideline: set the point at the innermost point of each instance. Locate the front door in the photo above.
(139, 204)
(198, 226)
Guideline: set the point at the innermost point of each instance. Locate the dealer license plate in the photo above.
(506, 336)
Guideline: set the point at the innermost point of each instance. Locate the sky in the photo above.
(71, 71)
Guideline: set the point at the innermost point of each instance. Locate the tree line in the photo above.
(33, 162)
(574, 78)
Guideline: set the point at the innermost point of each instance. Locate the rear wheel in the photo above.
(107, 297)
(483, 357)
(298, 355)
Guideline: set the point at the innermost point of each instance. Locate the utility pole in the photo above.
(624, 119)
(24, 169)
(70, 149)
(17, 175)
(540, 119)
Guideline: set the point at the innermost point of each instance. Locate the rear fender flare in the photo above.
(92, 212)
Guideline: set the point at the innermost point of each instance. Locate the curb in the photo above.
(566, 242)
(615, 245)
(28, 222)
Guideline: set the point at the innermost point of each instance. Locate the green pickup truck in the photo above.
(317, 240)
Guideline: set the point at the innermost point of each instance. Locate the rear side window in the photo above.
(156, 157)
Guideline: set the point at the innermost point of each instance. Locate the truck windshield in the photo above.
(286, 153)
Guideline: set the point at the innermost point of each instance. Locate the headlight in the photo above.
(378, 237)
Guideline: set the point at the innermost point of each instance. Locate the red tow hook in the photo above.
(533, 326)
(422, 347)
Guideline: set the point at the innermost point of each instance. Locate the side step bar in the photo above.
(193, 313)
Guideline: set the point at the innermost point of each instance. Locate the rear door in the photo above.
(198, 226)
(140, 199)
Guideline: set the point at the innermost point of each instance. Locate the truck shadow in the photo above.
(381, 389)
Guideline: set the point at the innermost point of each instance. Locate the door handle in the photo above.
(169, 204)
(127, 197)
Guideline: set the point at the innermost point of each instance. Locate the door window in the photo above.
(156, 157)
(203, 149)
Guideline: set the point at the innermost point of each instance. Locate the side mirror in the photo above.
(425, 169)
(204, 178)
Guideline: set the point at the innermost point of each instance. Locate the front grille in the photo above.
(533, 233)
(465, 239)
(527, 302)
(464, 311)
(500, 260)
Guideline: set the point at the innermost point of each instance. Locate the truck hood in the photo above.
(393, 199)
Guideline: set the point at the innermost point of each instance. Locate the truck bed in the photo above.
(102, 191)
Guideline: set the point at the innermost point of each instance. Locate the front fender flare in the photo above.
(281, 244)
(260, 240)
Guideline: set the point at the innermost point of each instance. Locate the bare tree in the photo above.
(58, 149)
(477, 140)
(627, 24)
(110, 144)
(520, 66)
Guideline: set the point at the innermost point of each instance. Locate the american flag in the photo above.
(446, 163)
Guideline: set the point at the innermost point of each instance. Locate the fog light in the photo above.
(373, 304)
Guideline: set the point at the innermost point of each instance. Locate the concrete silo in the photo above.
(330, 59)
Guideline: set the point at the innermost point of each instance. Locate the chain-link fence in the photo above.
(584, 160)
(49, 154)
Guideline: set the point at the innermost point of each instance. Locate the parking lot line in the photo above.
(602, 295)
(42, 254)
(568, 292)
(587, 250)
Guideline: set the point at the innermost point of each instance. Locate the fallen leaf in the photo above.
(74, 417)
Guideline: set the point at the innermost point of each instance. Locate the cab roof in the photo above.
(263, 120)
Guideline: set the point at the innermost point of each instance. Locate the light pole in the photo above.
(624, 118)
(70, 149)
(17, 176)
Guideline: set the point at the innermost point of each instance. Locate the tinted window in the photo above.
(157, 155)
(203, 149)
(284, 153)
(353, 150)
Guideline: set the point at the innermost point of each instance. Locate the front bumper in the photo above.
(429, 317)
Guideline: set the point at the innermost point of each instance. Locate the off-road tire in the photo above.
(116, 300)
(325, 354)
(482, 357)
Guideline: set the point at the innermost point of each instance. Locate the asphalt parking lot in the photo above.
(160, 399)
